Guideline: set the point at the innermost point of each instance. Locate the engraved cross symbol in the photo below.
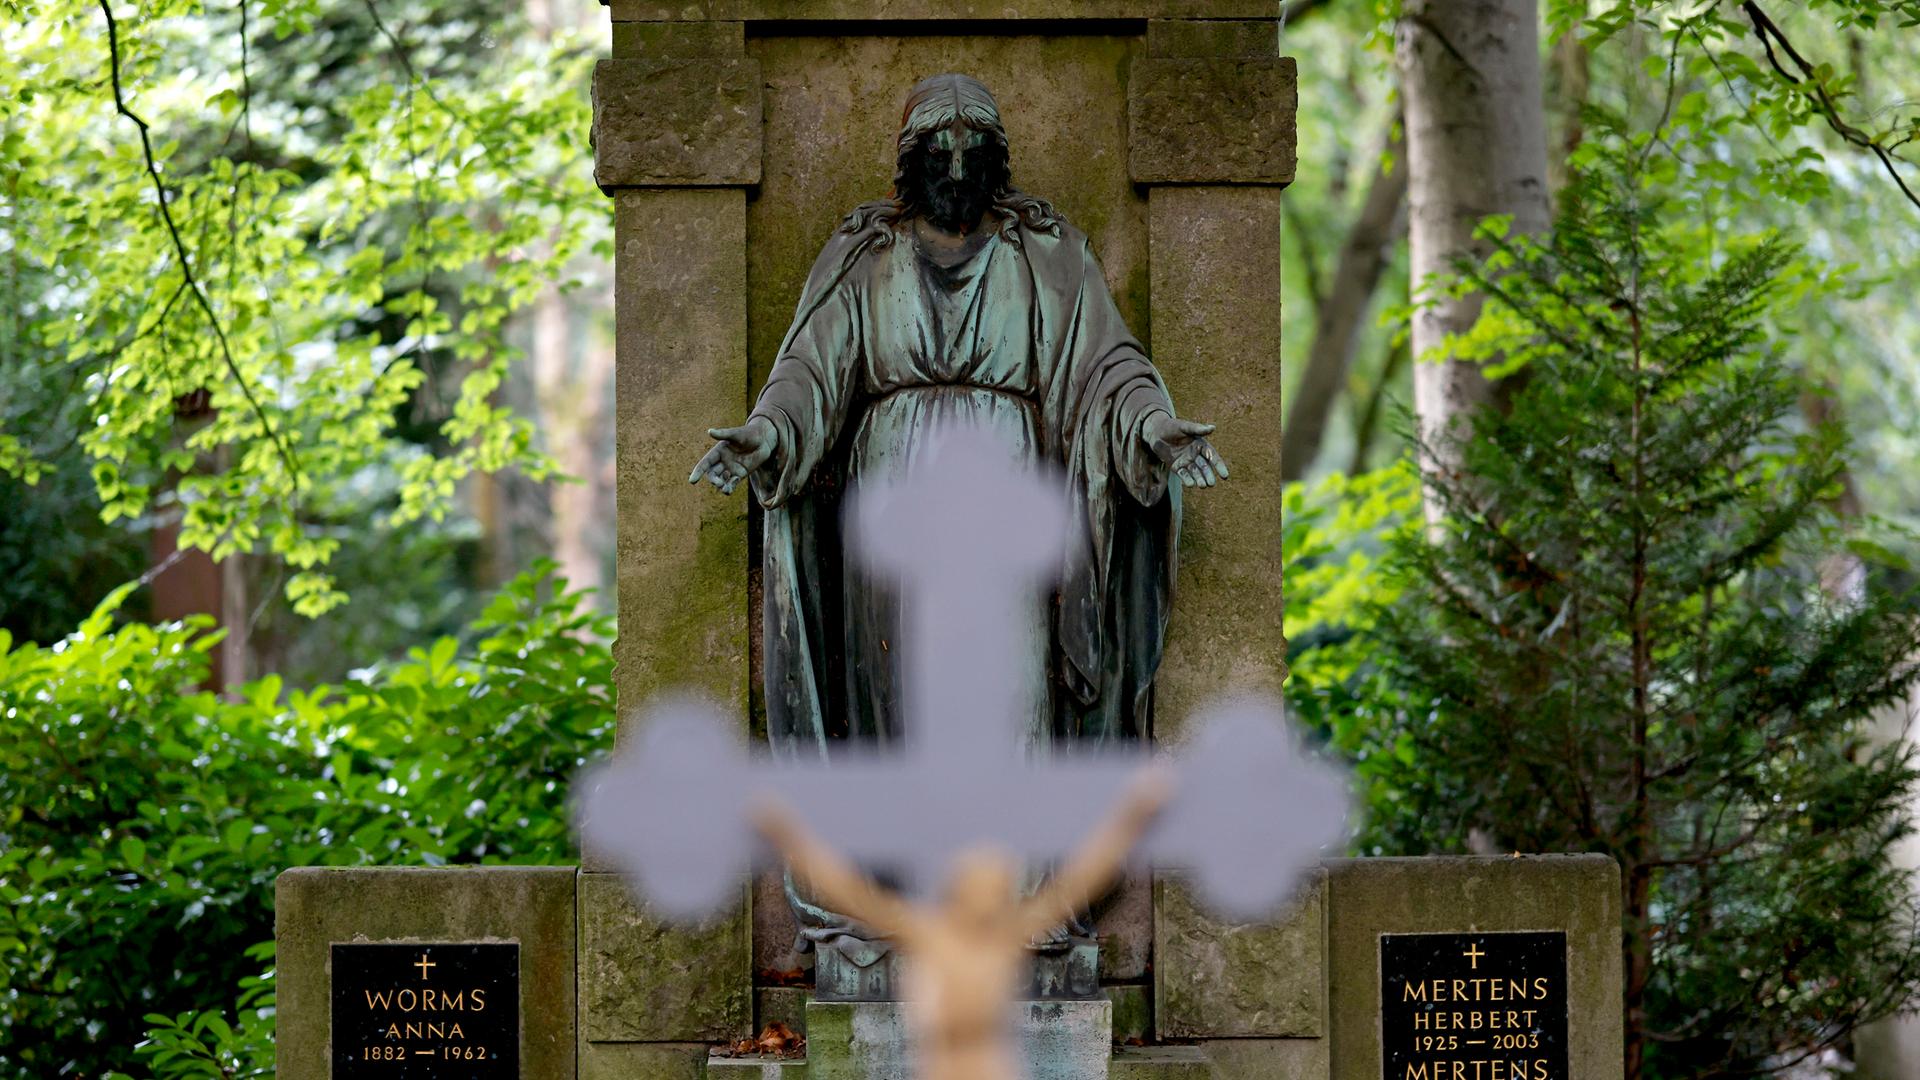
(1473, 955)
(969, 538)
(423, 964)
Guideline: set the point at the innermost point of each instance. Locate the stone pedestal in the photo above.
(732, 137)
(1219, 979)
(533, 907)
(1070, 974)
(608, 993)
(1159, 1063)
(840, 977)
(870, 1040)
(722, 1067)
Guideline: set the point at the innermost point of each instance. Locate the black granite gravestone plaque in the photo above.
(426, 1012)
(1473, 1006)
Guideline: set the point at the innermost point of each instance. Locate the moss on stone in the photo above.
(1241, 980)
(646, 980)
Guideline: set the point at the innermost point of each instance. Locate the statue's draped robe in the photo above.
(1017, 335)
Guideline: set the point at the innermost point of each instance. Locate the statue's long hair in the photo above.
(932, 105)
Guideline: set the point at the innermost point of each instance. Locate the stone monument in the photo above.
(958, 300)
(731, 136)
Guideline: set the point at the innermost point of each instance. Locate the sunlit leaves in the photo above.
(1621, 637)
(349, 255)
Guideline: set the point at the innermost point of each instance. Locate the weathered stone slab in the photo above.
(916, 10)
(643, 1061)
(1066, 1040)
(314, 907)
(781, 1005)
(646, 980)
(676, 122)
(1576, 894)
(755, 1068)
(1215, 979)
(1124, 921)
(856, 1040)
(1159, 1063)
(1216, 338)
(1132, 1011)
(870, 1040)
(1213, 37)
(680, 366)
(661, 40)
(1211, 121)
(1266, 1059)
(774, 928)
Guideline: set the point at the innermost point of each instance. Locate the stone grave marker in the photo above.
(425, 974)
(1474, 968)
(421, 1011)
(1474, 1006)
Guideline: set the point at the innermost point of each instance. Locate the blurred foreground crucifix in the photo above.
(969, 536)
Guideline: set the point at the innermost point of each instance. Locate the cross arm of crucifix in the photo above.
(834, 879)
(1100, 858)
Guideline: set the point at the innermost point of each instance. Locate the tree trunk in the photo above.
(1343, 308)
(1367, 426)
(1470, 88)
(1843, 574)
(1569, 78)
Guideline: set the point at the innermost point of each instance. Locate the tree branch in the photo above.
(1340, 308)
(180, 251)
(1769, 32)
(1399, 354)
(1309, 253)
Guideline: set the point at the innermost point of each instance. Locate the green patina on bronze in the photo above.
(959, 300)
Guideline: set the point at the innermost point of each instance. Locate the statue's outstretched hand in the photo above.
(740, 450)
(1183, 446)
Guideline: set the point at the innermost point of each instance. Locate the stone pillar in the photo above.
(1211, 134)
(676, 133)
(677, 142)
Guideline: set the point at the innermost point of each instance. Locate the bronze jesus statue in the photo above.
(959, 299)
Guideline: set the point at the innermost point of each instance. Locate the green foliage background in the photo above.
(147, 818)
(303, 224)
(267, 284)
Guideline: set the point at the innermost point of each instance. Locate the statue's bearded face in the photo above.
(952, 176)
